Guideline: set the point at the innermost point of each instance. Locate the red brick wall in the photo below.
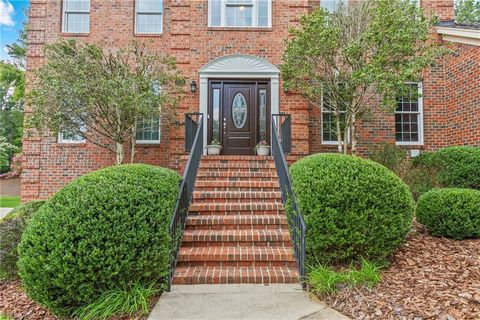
(49, 165)
(462, 78)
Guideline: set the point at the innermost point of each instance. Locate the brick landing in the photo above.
(236, 229)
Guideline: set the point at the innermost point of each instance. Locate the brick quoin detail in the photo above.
(451, 89)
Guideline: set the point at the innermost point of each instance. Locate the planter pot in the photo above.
(263, 150)
(213, 150)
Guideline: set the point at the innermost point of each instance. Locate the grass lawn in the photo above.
(9, 202)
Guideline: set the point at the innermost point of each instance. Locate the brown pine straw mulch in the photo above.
(429, 278)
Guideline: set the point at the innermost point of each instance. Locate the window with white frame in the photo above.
(409, 117)
(76, 16)
(332, 5)
(148, 131)
(240, 13)
(149, 16)
(329, 121)
(67, 136)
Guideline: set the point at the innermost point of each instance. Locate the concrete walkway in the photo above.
(4, 211)
(228, 302)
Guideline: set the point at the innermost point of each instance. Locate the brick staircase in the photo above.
(236, 228)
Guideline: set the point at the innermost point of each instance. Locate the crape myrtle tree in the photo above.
(362, 53)
(100, 94)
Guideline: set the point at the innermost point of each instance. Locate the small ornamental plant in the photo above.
(262, 148)
(214, 147)
(262, 144)
(215, 143)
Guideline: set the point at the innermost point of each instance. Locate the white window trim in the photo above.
(152, 141)
(64, 17)
(328, 142)
(136, 16)
(69, 141)
(420, 119)
(223, 4)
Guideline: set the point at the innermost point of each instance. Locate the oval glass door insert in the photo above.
(239, 111)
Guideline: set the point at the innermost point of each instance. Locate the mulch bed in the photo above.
(429, 278)
(15, 303)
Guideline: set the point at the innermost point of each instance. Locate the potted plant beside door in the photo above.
(262, 148)
(214, 148)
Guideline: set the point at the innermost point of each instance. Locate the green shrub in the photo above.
(389, 155)
(456, 167)
(352, 207)
(102, 232)
(11, 230)
(450, 212)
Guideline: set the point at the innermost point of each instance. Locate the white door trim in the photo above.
(238, 66)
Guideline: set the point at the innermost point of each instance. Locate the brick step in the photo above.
(249, 185)
(230, 275)
(228, 222)
(260, 207)
(236, 195)
(236, 158)
(236, 236)
(236, 254)
(238, 172)
(263, 175)
(237, 165)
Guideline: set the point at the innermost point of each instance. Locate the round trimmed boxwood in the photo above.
(103, 231)
(457, 167)
(11, 230)
(450, 212)
(352, 208)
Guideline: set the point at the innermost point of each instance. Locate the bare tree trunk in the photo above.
(133, 143)
(120, 152)
(339, 131)
(353, 126)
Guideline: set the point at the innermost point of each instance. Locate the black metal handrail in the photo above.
(195, 147)
(281, 142)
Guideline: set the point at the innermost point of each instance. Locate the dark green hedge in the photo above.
(104, 231)
(11, 230)
(352, 207)
(450, 212)
(456, 167)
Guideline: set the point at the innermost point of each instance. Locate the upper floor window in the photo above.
(240, 13)
(76, 16)
(332, 5)
(409, 118)
(149, 16)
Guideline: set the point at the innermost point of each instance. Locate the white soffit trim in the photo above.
(465, 36)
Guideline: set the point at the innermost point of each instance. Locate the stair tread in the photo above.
(233, 206)
(236, 219)
(235, 274)
(237, 184)
(236, 254)
(200, 194)
(277, 235)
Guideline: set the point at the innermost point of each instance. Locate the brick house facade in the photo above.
(205, 48)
